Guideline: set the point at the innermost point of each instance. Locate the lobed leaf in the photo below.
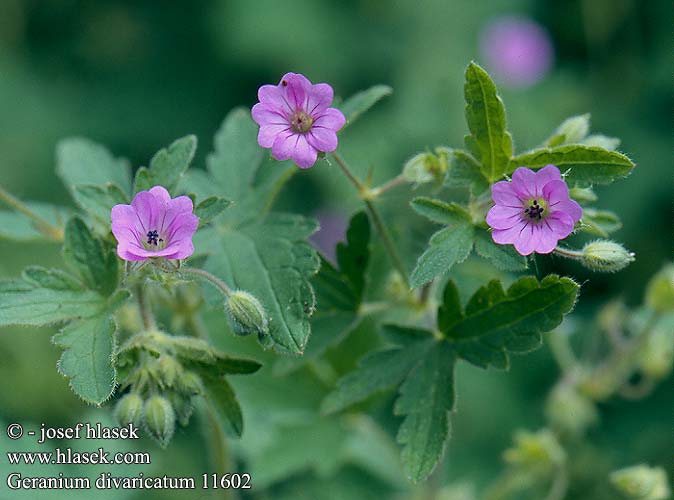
(496, 322)
(489, 140)
(54, 279)
(439, 211)
(168, 165)
(209, 208)
(584, 165)
(503, 257)
(98, 201)
(88, 357)
(426, 399)
(81, 161)
(447, 247)
(573, 130)
(16, 226)
(221, 397)
(360, 102)
(465, 171)
(600, 222)
(95, 262)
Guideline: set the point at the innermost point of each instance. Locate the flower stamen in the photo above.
(300, 122)
(535, 211)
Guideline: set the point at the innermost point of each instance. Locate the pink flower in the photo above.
(534, 211)
(295, 120)
(154, 225)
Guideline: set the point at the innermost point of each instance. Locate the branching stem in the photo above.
(42, 224)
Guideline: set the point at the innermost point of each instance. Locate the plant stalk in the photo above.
(42, 224)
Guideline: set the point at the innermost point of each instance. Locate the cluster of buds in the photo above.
(161, 388)
(641, 482)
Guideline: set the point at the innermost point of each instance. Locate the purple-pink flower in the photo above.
(154, 225)
(295, 119)
(533, 211)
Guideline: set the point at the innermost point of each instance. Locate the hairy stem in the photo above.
(42, 224)
(568, 253)
(209, 277)
(145, 309)
(387, 186)
(365, 195)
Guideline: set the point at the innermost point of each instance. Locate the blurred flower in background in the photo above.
(516, 50)
(332, 230)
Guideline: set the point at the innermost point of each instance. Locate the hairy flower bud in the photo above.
(189, 384)
(657, 356)
(168, 370)
(129, 409)
(605, 256)
(246, 314)
(569, 411)
(660, 290)
(427, 167)
(641, 482)
(574, 129)
(537, 452)
(160, 419)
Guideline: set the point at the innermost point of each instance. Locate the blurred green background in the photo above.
(135, 75)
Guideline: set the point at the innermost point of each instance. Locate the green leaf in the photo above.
(503, 257)
(143, 180)
(465, 171)
(599, 222)
(28, 306)
(167, 166)
(81, 161)
(237, 155)
(360, 102)
(488, 140)
(95, 262)
(209, 208)
(200, 353)
(426, 399)
(439, 211)
(18, 227)
(447, 247)
(54, 279)
(354, 254)
(98, 201)
(495, 322)
(572, 131)
(586, 165)
(222, 399)
(88, 357)
(376, 372)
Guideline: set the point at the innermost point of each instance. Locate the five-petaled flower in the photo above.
(534, 211)
(154, 225)
(295, 119)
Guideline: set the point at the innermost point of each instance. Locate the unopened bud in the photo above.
(582, 195)
(574, 129)
(129, 409)
(427, 167)
(160, 419)
(660, 290)
(189, 384)
(535, 451)
(569, 411)
(657, 356)
(168, 370)
(246, 314)
(641, 482)
(605, 256)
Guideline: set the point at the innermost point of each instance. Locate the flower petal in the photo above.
(319, 98)
(547, 241)
(161, 194)
(264, 115)
(528, 239)
(181, 250)
(545, 175)
(502, 217)
(273, 97)
(284, 144)
(559, 223)
(148, 208)
(322, 139)
(304, 154)
(126, 254)
(268, 133)
(182, 228)
(295, 88)
(331, 118)
(524, 182)
(508, 236)
(503, 194)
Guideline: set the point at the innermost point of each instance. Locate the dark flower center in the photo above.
(154, 242)
(535, 211)
(300, 122)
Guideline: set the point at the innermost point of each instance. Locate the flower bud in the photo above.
(168, 369)
(537, 452)
(641, 482)
(427, 167)
(605, 256)
(657, 355)
(582, 195)
(246, 314)
(574, 129)
(160, 419)
(129, 409)
(189, 384)
(660, 290)
(569, 411)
